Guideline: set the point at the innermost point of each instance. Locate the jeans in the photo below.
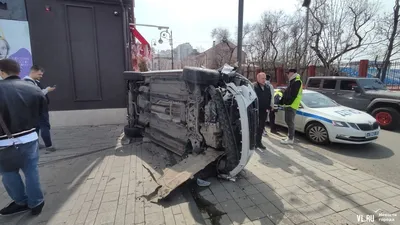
(44, 128)
(262, 116)
(290, 115)
(32, 194)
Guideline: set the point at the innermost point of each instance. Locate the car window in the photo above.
(329, 84)
(372, 84)
(314, 83)
(348, 85)
(317, 100)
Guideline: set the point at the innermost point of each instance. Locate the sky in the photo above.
(192, 20)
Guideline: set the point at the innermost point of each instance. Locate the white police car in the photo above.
(323, 121)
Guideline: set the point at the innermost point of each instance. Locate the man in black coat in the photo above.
(264, 105)
(20, 107)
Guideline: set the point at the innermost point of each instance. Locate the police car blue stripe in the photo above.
(301, 113)
(298, 112)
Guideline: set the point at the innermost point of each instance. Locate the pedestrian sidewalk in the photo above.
(93, 178)
(288, 185)
(96, 177)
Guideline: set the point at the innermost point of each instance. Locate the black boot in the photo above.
(37, 210)
(13, 208)
(261, 146)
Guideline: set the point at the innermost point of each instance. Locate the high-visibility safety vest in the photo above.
(296, 103)
(278, 92)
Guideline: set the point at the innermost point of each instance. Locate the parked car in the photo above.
(365, 94)
(323, 121)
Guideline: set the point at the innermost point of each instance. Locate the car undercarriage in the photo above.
(193, 112)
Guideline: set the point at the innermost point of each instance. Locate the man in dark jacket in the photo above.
(291, 102)
(264, 105)
(20, 106)
(34, 77)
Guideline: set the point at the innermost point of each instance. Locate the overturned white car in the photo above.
(200, 114)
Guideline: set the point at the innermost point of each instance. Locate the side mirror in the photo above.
(357, 89)
(300, 107)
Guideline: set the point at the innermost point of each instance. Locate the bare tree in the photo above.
(389, 30)
(224, 54)
(274, 23)
(295, 34)
(339, 27)
(221, 34)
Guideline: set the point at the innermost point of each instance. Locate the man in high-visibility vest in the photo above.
(277, 98)
(291, 102)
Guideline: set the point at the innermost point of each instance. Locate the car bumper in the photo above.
(248, 119)
(352, 136)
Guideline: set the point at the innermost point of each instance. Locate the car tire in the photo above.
(200, 76)
(132, 132)
(317, 133)
(386, 117)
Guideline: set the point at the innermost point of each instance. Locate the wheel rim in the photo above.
(383, 118)
(318, 134)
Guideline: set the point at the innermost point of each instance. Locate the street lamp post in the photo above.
(240, 34)
(165, 34)
(306, 3)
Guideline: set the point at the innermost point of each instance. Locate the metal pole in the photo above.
(172, 49)
(306, 36)
(240, 34)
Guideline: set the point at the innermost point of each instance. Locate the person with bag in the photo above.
(20, 106)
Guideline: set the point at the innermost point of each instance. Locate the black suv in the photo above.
(366, 94)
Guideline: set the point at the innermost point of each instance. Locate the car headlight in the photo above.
(339, 124)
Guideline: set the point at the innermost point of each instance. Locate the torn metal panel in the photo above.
(181, 172)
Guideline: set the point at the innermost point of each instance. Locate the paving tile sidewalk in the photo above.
(94, 179)
(287, 185)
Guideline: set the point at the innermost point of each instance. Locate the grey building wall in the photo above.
(13, 10)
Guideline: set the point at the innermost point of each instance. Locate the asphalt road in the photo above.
(381, 158)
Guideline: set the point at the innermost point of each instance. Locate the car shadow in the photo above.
(367, 151)
(312, 178)
(304, 151)
(250, 198)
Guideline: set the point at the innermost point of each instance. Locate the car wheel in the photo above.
(386, 117)
(132, 132)
(317, 133)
